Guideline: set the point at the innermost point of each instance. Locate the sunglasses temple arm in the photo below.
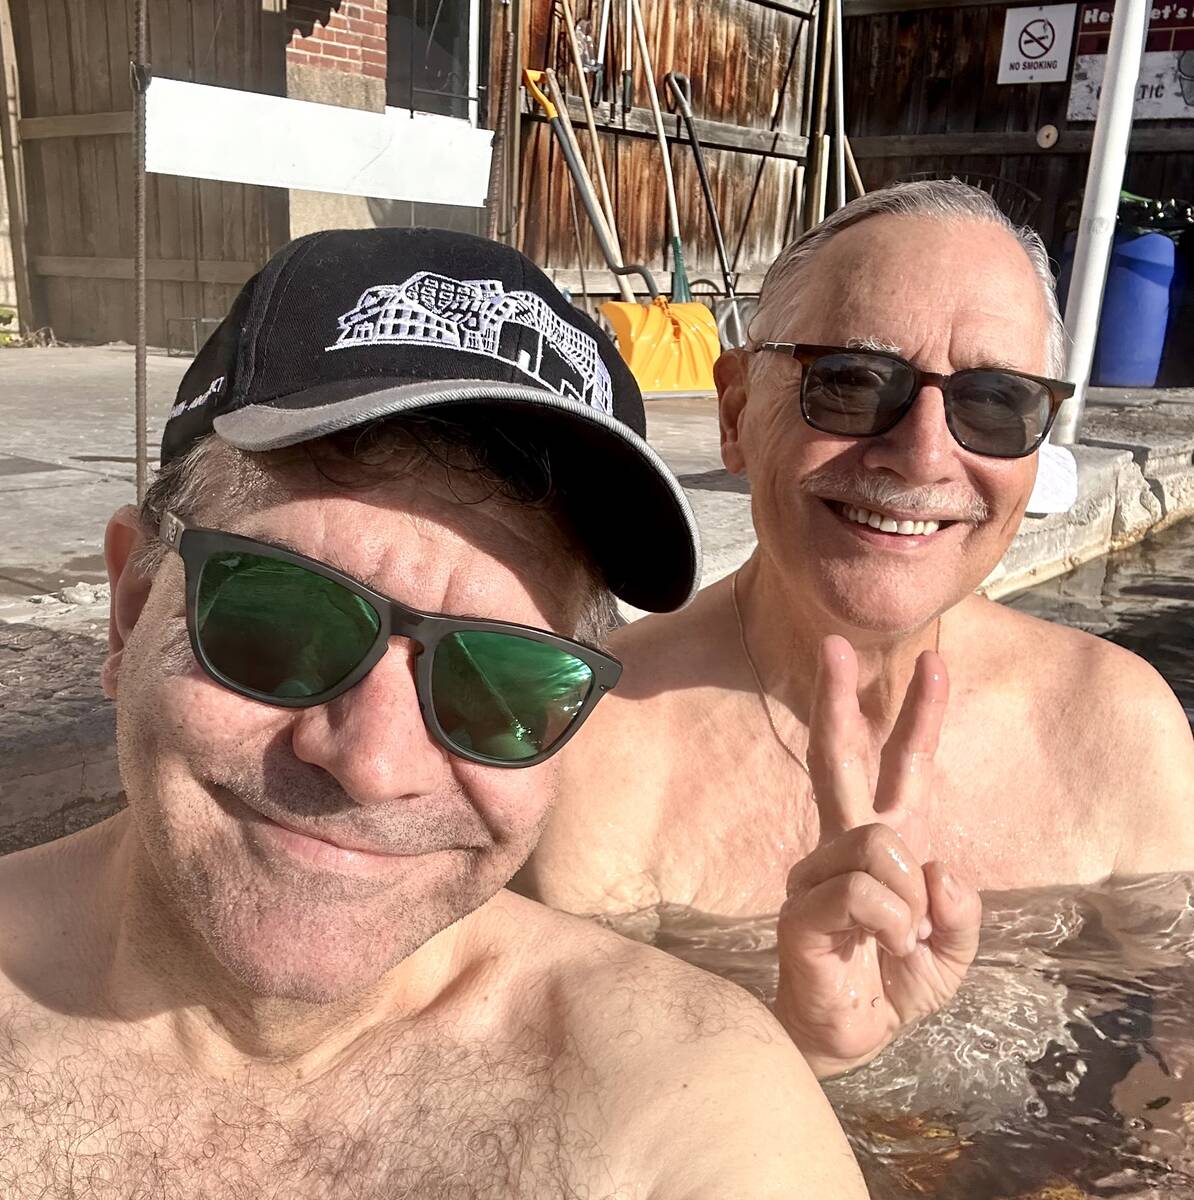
(170, 530)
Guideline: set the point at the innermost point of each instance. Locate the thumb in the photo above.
(956, 911)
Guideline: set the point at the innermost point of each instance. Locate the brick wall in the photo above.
(342, 35)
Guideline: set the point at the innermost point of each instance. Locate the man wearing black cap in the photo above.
(350, 628)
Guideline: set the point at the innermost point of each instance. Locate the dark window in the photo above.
(432, 61)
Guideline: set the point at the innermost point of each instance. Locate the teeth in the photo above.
(864, 516)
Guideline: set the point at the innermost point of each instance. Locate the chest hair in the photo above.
(434, 1120)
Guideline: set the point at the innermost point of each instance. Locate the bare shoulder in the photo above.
(1115, 731)
(1099, 691)
(700, 1088)
(47, 905)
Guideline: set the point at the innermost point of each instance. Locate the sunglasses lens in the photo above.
(998, 413)
(278, 629)
(855, 394)
(505, 697)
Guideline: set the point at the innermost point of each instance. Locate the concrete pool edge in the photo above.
(1135, 478)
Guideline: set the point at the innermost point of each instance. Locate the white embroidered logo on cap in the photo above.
(480, 316)
(213, 389)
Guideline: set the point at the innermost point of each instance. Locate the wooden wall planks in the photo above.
(922, 95)
(735, 52)
(73, 58)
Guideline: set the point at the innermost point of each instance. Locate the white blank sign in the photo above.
(206, 132)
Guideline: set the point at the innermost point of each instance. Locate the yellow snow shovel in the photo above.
(669, 348)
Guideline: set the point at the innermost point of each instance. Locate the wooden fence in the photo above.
(737, 54)
(922, 95)
(75, 146)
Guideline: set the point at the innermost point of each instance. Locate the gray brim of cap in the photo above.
(636, 521)
(1056, 486)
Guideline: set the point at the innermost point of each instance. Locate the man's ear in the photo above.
(130, 588)
(731, 374)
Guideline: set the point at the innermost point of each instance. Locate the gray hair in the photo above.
(477, 463)
(947, 200)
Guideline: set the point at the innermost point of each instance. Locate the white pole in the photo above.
(1104, 180)
(839, 104)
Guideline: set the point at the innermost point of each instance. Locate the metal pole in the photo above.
(139, 76)
(495, 194)
(839, 105)
(1096, 229)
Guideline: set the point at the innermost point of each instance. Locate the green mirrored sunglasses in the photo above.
(291, 631)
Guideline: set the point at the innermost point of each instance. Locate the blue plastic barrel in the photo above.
(1135, 311)
(1136, 306)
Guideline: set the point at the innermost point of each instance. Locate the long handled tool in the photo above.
(668, 347)
(681, 292)
(607, 206)
(628, 61)
(681, 89)
(602, 42)
(583, 184)
(558, 118)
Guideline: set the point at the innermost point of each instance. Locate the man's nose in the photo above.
(920, 448)
(373, 738)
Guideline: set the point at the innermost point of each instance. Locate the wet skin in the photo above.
(1061, 758)
(291, 964)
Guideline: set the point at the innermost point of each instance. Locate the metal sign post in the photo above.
(1100, 205)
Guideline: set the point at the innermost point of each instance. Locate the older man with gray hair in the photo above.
(787, 744)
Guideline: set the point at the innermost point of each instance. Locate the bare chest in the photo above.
(740, 815)
(429, 1122)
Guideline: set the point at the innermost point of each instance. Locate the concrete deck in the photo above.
(66, 463)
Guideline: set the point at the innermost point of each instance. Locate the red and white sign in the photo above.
(1165, 89)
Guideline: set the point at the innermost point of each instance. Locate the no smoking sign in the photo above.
(1036, 44)
(1037, 38)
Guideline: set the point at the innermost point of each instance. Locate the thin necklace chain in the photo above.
(764, 697)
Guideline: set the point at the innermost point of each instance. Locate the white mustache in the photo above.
(866, 489)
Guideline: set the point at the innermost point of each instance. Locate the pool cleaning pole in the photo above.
(1096, 229)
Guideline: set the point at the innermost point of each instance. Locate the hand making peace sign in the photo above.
(873, 935)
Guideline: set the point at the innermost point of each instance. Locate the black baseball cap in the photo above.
(346, 327)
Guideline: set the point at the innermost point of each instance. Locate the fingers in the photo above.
(837, 745)
(906, 767)
(956, 911)
(847, 903)
(873, 851)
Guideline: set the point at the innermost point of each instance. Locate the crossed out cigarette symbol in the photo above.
(1036, 38)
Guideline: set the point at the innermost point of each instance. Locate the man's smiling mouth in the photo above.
(337, 850)
(895, 525)
(886, 524)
